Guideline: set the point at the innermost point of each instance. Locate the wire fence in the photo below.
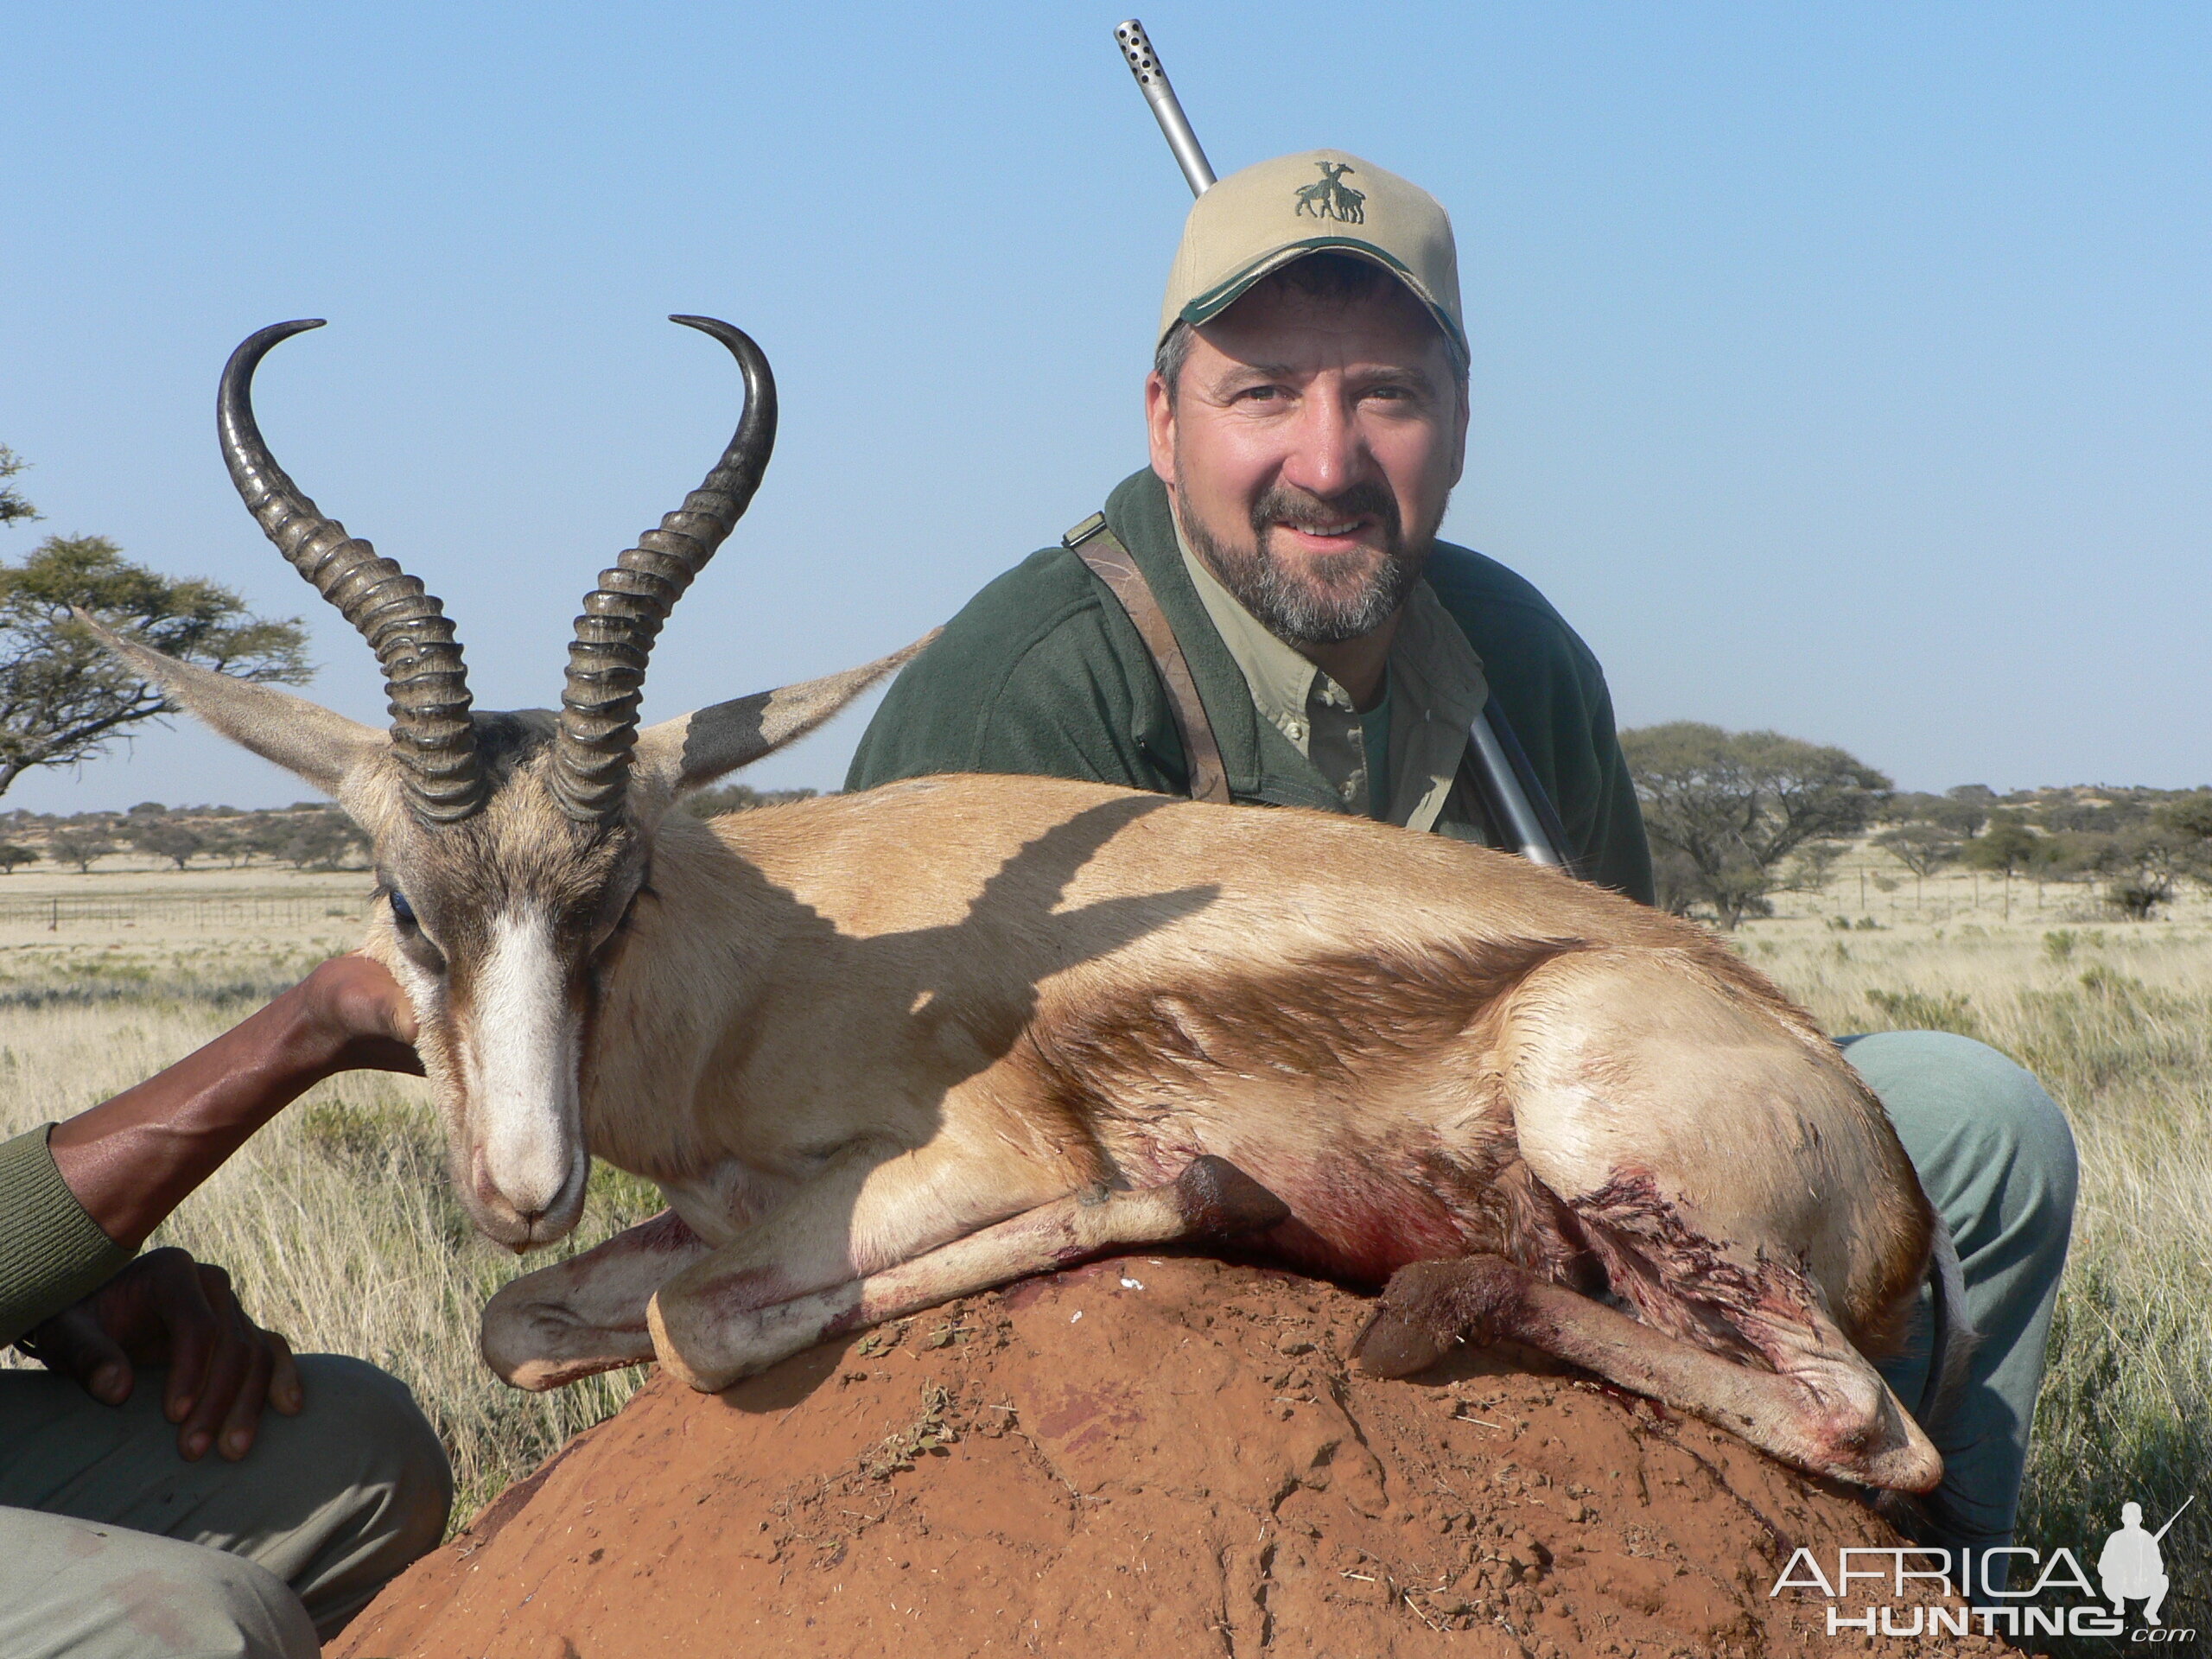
(209, 913)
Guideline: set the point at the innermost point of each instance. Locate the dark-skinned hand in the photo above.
(165, 1309)
(132, 1160)
(367, 1013)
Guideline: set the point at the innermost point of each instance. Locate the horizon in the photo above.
(309, 803)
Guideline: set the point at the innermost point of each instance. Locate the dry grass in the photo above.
(337, 1220)
(2116, 1019)
(339, 1224)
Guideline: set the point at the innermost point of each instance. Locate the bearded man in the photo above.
(1266, 616)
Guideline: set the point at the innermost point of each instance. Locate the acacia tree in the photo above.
(2145, 861)
(168, 838)
(2188, 817)
(1924, 849)
(2141, 866)
(13, 508)
(1725, 810)
(321, 840)
(63, 697)
(79, 846)
(2007, 846)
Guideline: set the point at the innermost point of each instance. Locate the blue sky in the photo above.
(1839, 369)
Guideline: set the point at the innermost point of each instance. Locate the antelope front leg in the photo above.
(1828, 1412)
(707, 1333)
(587, 1314)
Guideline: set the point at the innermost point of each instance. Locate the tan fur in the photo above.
(852, 1037)
(1041, 960)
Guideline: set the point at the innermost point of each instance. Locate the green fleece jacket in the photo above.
(51, 1252)
(1043, 673)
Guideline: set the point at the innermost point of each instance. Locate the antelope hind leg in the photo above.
(711, 1347)
(585, 1315)
(1743, 1190)
(1828, 1414)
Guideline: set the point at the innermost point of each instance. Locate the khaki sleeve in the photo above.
(51, 1251)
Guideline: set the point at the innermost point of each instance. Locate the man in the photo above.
(1307, 416)
(120, 1535)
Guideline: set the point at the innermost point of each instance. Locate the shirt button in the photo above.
(1296, 731)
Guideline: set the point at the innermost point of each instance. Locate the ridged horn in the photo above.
(423, 675)
(623, 616)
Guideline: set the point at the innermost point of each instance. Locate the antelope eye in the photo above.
(412, 939)
(614, 930)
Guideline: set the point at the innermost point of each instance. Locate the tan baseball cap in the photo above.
(1266, 216)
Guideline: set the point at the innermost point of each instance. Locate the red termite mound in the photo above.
(1155, 1455)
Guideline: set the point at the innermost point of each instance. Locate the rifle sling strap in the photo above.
(1099, 548)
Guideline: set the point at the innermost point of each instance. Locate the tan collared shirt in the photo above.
(1436, 690)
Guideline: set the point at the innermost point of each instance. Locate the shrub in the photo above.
(1911, 1010)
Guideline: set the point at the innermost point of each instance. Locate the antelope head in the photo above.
(508, 847)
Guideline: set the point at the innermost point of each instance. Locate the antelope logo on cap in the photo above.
(1331, 198)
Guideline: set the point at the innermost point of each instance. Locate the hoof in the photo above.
(1916, 1466)
(1412, 1326)
(1430, 1307)
(707, 1378)
(1219, 1200)
(1392, 1345)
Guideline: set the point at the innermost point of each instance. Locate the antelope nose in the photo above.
(491, 1196)
(487, 1190)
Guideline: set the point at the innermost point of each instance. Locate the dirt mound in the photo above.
(1155, 1455)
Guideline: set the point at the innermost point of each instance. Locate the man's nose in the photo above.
(1327, 455)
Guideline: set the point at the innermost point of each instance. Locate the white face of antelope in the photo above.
(510, 848)
(499, 929)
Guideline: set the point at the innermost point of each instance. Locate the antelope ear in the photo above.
(302, 737)
(690, 753)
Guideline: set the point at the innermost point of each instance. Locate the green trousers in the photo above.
(112, 1545)
(1996, 1158)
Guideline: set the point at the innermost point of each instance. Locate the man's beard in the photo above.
(1327, 598)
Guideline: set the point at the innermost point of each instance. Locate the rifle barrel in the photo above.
(1508, 800)
(2170, 1519)
(1144, 64)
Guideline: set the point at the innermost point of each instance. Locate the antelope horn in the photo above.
(409, 631)
(623, 616)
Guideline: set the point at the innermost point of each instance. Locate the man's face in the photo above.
(1311, 447)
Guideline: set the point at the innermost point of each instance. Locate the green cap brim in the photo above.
(1218, 298)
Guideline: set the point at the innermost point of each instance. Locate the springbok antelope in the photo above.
(886, 1049)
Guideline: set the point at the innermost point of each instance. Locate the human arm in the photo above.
(84, 1194)
(131, 1160)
